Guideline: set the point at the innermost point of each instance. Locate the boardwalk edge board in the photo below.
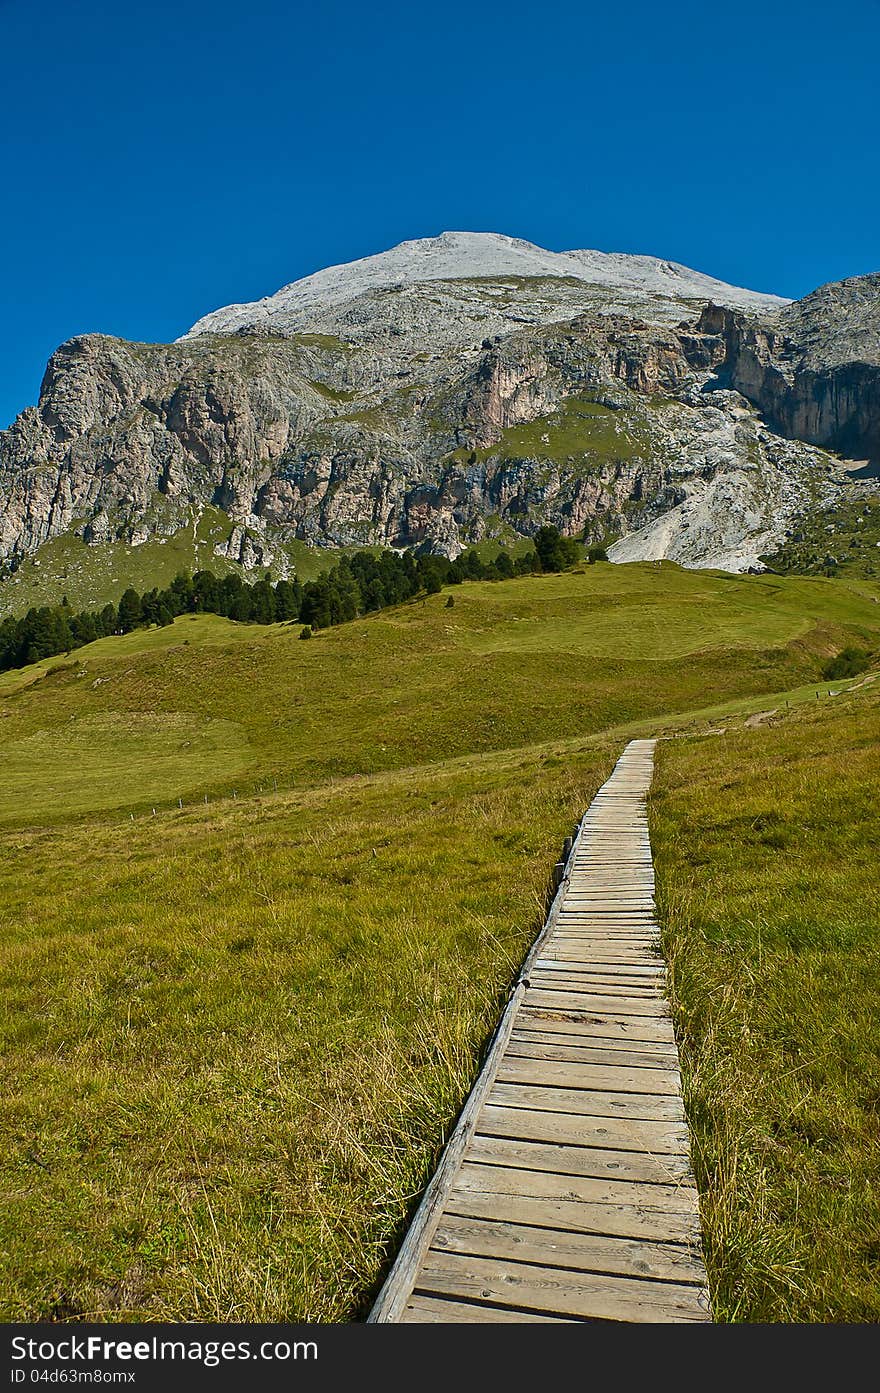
(574, 1136)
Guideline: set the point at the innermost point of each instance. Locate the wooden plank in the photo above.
(675, 1204)
(593, 930)
(611, 982)
(604, 1154)
(592, 940)
(646, 946)
(592, 1295)
(588, 948)
(591, 985)
(596, 1004)
(592, 1032)
(616, 997)
(590, 1102)
(644, 1029)
(586, 955)
(648, 972)
(585, 933)
(617, 977)
(585, 930)
(589, 954)
(615, 921)
(618, 920)
(634, 1028)
(578, 1252)
(441, 1310)
(558, 1050)
(581, 897)
(565, 1073)
(519, 1153)
(550, 1043)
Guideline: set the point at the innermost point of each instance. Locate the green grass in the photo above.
(840, 540)
(333, 394)
(235, 1036)
(328, 342)
(77, 767)
(372, 418)
(579, 432)
(92, 576)
(511, 664)
(239, 1031)
(765, 843)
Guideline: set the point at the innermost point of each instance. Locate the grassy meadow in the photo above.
(93, 575)
(238, 1033)
(240, 1027)
(766, 848)
(510, 663)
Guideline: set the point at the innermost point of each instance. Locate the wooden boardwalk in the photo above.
(565, 1191)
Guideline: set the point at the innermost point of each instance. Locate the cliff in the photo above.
(437, 412)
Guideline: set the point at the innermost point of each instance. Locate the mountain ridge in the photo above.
(440, 413)
(469, 255)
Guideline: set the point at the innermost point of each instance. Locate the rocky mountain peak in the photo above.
(619, 282)
(838, 323)
(456, 389)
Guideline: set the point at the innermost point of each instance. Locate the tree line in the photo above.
(355, 585)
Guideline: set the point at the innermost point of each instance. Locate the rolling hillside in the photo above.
(535, 659)
(241, 1024)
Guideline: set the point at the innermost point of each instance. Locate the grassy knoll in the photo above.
(766, 848)
(238, 1031)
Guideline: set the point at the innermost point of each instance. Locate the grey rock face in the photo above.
(434, 414)
(814, 369)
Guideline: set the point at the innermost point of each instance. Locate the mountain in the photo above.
(458, 389)
(608, 281)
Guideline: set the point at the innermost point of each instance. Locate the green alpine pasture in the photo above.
(580, 432)
(766, 847)
(240, 1026)
(94, 575)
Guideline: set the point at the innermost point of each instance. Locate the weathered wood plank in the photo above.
(627, 1079)
(599, 983)
(601, 1153)
(587, 1033)
(639, 1028)
(579, 1252)
(644, 948)
(597, 1003)
(603, 982)
(589, 1102)
(648, 972)
(442, 1310)
(562, 1159)
(593, 1295)
(493, 1178)
(556, 1050)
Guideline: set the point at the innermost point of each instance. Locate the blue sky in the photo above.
(160, 159)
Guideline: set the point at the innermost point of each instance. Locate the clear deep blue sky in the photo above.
(160, 159)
